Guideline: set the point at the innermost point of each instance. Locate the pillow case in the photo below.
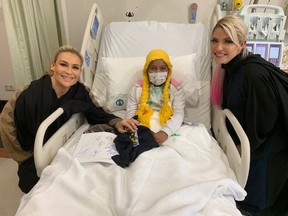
(122, 74)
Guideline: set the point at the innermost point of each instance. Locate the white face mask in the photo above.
(157, 78)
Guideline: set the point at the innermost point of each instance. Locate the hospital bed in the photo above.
(191, 174)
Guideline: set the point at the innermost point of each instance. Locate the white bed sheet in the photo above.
(205, 183)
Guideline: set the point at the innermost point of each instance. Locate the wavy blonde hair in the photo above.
(144, 111)
(236, 30)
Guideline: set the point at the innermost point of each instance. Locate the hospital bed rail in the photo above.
(44, 153)
(239, 162)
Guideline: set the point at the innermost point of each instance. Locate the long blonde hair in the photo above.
(237, 31)
(144, 111)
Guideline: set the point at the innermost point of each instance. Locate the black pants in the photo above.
(255, 187)
(27, 175)
(279, 208)
(257, 201)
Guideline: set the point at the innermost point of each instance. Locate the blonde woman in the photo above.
(257, 94)
(157, 100)
(42, 97)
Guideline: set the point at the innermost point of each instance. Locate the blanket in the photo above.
(187, 175)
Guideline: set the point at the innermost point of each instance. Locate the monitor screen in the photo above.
(274, 51)
(274, 54)
(262, 50)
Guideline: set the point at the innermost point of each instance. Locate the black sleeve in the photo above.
(82, 102)
(33, 105)
(25, 127)
(99, 116)
(261, 107)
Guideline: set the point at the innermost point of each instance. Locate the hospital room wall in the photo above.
(113, 10)
(77, 14)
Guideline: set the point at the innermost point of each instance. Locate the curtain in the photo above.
(33, 36)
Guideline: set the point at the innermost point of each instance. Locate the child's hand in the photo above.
(160, 137)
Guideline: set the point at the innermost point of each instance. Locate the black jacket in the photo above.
(39, 100)
(257, 94)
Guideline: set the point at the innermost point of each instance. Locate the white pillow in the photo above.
(184, 70)
(122, 73)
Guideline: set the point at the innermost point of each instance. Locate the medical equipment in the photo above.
(237, 4)
(226, 5)
(193, 13)
(265, 31)
(264, 26)
(189, 174)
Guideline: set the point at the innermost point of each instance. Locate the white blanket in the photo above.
(188, 175)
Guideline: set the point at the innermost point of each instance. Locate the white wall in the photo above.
(112, 10)
(77, 15)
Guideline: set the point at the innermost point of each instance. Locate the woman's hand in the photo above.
(160, 137)
(127, 125)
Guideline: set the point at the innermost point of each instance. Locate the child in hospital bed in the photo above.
(157, 100)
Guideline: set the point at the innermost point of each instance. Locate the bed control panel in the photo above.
(90, 45)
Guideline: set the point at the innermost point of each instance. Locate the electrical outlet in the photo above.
(9, 87)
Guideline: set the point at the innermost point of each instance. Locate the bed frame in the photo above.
(238, 160)
(44, 154)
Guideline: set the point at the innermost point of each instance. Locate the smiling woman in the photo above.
(66, 70)
(256, 92)
(37, 101)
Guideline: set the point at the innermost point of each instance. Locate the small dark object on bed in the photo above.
(128, 151)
